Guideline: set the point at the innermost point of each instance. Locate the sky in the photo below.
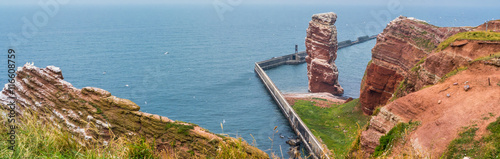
(485, 3)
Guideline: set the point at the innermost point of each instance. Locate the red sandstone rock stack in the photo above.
(321, 48)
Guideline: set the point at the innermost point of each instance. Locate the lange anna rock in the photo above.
(321, 48)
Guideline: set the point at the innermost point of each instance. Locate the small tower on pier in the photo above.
(296, 56)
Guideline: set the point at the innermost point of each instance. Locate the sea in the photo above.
(195, 63)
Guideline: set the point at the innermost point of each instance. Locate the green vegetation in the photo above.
(233, 150)
(376, 111)
(397, 133)
(337, 126)
(417, 65)
(426, 86)
(453, 72)
(403, 85)
(472, 35)
(423, 22)
(486, 58)
(424, 43)
(99, 111)
(321, 99)
(36, 139)
(465, 145)
(180, 128)
(142, 149)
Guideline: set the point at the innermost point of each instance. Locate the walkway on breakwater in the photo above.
(300, 57)
(313, 146)
(311, 143)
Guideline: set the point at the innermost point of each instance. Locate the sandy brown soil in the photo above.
(316, 97)
(443, 117)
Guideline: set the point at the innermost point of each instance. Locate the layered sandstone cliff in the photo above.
(402, 44)
(493, 25)
(321, 48)
(441, 117)
(449, 103)
(93, 114)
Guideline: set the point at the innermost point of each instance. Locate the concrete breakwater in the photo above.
(311, 143)
(300, 57)
(313, 146)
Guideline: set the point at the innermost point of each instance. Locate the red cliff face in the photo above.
(442, 108)
(321, 48)
(440, 117)
(403, 43)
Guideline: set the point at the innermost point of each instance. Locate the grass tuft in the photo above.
(403, 86)
(453, 72)
(321, 99)
(465, 145)
(395, 134)
(181, 128)
(486, 58)
(472, 35)
(141, 148)
(417, 65)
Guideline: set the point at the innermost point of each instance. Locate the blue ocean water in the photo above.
(207, 76)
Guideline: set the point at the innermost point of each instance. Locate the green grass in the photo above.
(472, 35)
(328, 123)
(417, 65)
(426, 86)
(465, 145)
(233, 150)
(142, 149)
(453, 72)
(319, 99)
(423, 22)
(37, 139)
(486, 58)
(180, 128)
(424, 43)
(376, 111)
(403, 85)
(99, 111)
(394, 135)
